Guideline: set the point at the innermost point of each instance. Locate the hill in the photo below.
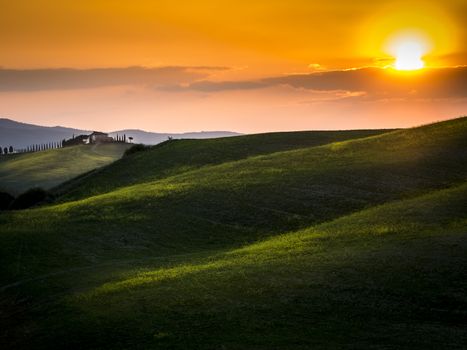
(178, 156)
(351, 244)
(389, 277)
(21, 135)
(46, 169)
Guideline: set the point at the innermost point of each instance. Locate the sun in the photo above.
(408, 49)
(409, 55)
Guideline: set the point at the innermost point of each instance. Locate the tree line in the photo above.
(31, 148)
(120, 138)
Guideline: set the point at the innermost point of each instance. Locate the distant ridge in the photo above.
(20, 135)
(153, 138)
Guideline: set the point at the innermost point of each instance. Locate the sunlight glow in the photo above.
(409, 56)
(408, 48)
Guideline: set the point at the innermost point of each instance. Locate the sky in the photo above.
(246, 66)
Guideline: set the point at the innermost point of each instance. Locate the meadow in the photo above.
(46, 169)
(277, 241)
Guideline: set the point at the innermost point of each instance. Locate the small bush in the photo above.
(29, 199)
(5, 200)
(135, 149)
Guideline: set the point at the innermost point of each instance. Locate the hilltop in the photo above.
(305, 241)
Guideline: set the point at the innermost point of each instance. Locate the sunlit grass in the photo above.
(405, 219)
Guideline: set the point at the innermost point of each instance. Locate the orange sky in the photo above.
(259, 45)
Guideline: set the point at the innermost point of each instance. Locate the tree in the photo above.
(136, 148)
(1, 150)
(11, 150)
(131, 139)
(5, 150)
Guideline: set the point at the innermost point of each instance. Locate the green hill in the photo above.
(352, 244)
(49, 168)
(389, 277)
(178, 156)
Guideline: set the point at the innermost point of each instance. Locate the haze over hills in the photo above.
(153, 138)
(275, 241)
(21, 135)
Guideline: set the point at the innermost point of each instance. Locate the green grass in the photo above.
(179, 156)
(386, 277)
(352, 244)
(47, 169)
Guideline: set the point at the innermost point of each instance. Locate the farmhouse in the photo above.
(95, 138)
(99, 137)
(76, 140)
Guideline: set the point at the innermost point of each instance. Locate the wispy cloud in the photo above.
(371, 82)
(67, 78)
(365, 83)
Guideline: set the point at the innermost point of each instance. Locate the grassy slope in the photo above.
(236, 202)
(49, 168)
(388, 277)
(178, 156)
(332, 290)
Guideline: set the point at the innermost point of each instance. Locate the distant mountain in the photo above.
(21, 135)
(152, 138)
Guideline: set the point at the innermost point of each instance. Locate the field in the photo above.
(46, 169)
(276, 241)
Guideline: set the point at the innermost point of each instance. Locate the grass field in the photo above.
(341, 243)
(179, 156)
(47, 169)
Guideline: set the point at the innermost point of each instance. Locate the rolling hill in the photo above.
(46, 169)
(178, 156)
(337, 243)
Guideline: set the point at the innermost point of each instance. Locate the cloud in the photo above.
(364, 83)
(67, 78)
(374, 83)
